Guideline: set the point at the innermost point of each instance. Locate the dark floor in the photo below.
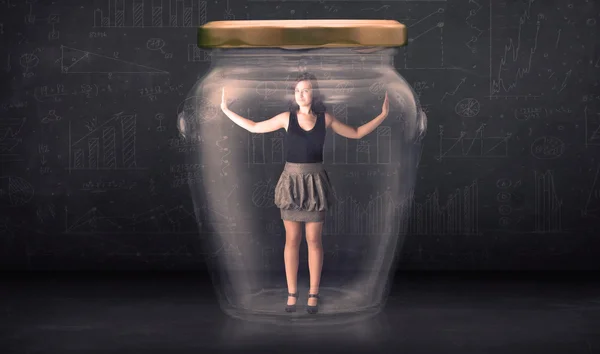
(426, 313)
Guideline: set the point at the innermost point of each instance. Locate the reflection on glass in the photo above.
(241, 116)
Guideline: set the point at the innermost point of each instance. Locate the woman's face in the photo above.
(303, 93)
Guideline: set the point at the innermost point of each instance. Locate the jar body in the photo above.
(372, 178)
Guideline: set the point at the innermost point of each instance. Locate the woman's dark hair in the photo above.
(316, 106)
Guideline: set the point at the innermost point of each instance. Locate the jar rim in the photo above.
(301, 34)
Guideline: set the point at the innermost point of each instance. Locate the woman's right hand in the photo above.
(223, 100)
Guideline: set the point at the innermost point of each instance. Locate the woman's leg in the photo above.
(314, 231)
(293, 234)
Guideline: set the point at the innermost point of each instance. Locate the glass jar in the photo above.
(373, 177)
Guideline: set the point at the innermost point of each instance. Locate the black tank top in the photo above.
(305, 146)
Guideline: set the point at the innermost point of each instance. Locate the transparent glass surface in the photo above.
(373, 178)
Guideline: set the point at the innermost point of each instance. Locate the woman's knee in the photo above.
(293, 233)
(314, 234)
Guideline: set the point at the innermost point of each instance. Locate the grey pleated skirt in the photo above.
(303, 192)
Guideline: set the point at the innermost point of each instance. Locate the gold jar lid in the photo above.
(301, 34)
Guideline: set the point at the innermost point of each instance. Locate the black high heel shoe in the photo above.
(313, 309)
(291, 308)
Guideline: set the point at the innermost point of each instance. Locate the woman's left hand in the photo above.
(385, 109)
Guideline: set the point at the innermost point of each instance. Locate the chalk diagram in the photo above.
(458, 216)
(197, 55)
(10, 129)
(29, 61)
(117, 235)
(109, 146)
(226, 251)
(15, 191)
(349, 216)
(77, 61)
(263, 193)
(220, 217)
(513, 74)
(467, 107)
(428, 30)
(158, 44)
(547, 147)
(152, 221)
(479, 146)
(197, 110)
(257, 154)
(161, 14)
(548, 207)
(592, 127)
(592, 205)
(453, 93)
(266, 89)
(504, 198)
(224, 152)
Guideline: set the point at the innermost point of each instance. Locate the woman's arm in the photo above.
(266, 126)
(368, 127)
(342, 129)
(360, 132)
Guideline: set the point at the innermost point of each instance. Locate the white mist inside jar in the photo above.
(372, 176)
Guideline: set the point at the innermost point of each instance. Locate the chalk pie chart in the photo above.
(14, 191)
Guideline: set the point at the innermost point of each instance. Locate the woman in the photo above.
(303, 192)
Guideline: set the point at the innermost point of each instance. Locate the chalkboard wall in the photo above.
(511, 90)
